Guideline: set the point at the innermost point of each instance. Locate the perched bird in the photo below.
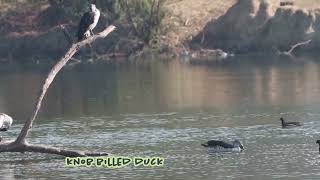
(220, 146)
(88, 22)
(5, 122)
(318, 142)
(288, 124)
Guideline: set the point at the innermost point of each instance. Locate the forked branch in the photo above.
(20, 144)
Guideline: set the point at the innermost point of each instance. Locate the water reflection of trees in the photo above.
(158, 87)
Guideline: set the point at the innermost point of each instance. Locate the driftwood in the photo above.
(297, 45)
(20, 144)
(290, 51)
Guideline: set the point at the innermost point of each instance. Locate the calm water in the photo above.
(168, 109)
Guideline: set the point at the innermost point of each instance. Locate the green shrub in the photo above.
(145, 16)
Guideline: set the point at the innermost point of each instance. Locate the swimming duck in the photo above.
(288, 124)
(221, 146)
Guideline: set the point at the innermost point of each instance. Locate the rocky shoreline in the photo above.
(262, 26)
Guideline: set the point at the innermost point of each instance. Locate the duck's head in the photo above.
(237, 143)
(318, 142)
(281, 119)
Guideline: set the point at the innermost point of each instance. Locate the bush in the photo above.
(141, 19)
(144, 16)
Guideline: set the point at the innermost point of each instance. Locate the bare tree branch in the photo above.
(20, 144)
(74, 48)
(62, 152)
(297, 45)
(26, 147)
(289, 53)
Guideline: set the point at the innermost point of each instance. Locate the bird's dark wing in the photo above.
(293, 123)
(219, 143)
(84, 24)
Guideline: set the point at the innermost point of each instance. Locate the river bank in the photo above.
(262, 26)
(187, 29)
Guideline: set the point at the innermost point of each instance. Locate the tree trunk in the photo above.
(20, 144)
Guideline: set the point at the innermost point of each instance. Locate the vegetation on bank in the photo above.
(30, 29)
(144, 16)
(138, 22)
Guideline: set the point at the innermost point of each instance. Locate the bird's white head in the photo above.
(92, 7)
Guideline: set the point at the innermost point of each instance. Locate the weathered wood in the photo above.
(290, 51)
(59, 151)
(26, 147)
(297, 45)
(20, 144)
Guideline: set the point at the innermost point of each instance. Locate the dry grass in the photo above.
(6, 6)
(187, 17)
(309, 4)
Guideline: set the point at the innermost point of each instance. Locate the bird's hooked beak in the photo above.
(241, 147)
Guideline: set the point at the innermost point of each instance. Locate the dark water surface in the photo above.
(167, 109)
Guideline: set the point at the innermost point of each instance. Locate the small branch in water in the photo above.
(62, 152)
(26, 147)
(296, 46)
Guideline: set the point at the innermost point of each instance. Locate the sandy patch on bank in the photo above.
(187, 17)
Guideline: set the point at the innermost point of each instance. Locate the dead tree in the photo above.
(20, 144)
